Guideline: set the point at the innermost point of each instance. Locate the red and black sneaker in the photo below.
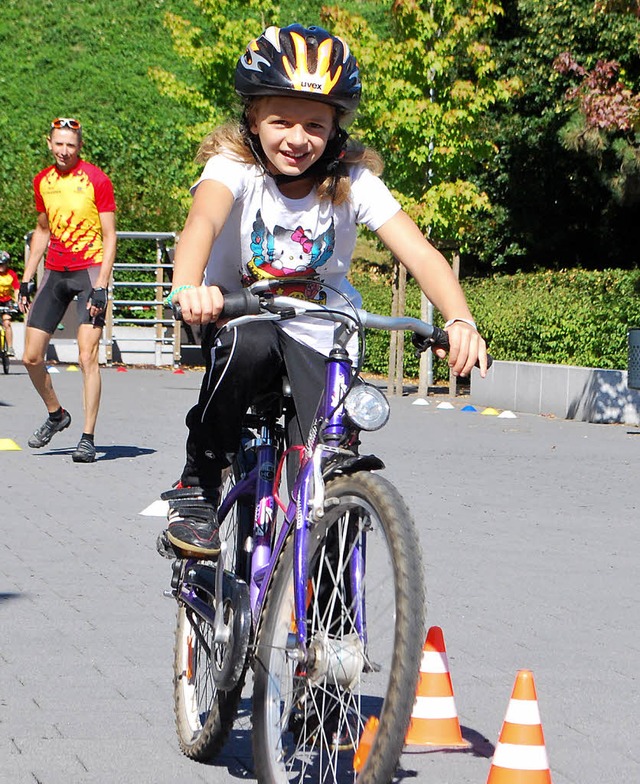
(193, 522)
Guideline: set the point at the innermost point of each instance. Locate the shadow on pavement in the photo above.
(5, 597)
(480, 746)
(117, 452)
(237, 754)
(114, 452)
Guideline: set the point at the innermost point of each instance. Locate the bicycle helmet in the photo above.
(5, 258)
(305, 62)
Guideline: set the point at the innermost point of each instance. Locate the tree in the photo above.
(553, 208)
(605, 124)
(621, 6)
(426, 89)
(214, 53)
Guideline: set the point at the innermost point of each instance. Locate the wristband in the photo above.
(465, 321)
(169, 298)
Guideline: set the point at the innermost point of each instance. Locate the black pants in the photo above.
(241, 365)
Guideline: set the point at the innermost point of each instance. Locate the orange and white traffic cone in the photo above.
(434, 720)
(520, 756)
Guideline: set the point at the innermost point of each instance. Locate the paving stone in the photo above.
(531, 544)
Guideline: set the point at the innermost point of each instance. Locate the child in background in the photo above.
(9, 287)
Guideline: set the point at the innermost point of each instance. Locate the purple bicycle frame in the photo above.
(258, 486)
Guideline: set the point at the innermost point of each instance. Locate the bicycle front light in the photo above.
(367, 407)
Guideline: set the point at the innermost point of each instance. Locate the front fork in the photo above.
(310, 501)
(309, 491)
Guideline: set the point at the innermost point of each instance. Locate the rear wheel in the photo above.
(364, 642)
(5, 362)
(205, 714)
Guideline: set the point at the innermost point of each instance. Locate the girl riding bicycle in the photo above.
(280, 197)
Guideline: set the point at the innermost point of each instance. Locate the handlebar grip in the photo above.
(440, 339)
(236, 303)
(240, 303)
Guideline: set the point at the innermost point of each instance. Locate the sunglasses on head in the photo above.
(66, 122)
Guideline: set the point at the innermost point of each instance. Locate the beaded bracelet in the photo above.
(169, 298)
(466, 321)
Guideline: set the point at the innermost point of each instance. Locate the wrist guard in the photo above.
(98, 298)
(27, 290)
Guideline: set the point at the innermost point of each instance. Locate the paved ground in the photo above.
(531, 540)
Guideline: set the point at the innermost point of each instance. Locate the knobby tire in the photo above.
(3, 352)
(306, 725)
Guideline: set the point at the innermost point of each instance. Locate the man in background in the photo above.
(76, 229)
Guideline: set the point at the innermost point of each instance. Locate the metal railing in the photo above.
(166, 330)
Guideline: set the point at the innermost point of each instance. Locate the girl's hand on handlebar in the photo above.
(466, 348)
(200, 304)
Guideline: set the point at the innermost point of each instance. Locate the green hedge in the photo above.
(573, 317)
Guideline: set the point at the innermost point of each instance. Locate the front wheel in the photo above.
(365, 631)
(5, 362)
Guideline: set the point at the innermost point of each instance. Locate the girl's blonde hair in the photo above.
(231, 139)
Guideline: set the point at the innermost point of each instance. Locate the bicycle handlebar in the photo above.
(252, 301)
(241, 303)
(241, 306)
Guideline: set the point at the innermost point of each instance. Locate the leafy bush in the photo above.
(569, 317)
(572, 317)
(376, 295)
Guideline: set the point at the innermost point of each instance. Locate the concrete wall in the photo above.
(131, 346)
(584, 394)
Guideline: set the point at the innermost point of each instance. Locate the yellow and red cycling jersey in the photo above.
(9, 284)
(73, 202)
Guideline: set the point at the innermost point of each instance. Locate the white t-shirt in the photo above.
(268, 235)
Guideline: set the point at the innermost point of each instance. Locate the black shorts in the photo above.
(56, 292)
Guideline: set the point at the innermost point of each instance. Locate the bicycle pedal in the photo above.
(164, 547)
(176, 574)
